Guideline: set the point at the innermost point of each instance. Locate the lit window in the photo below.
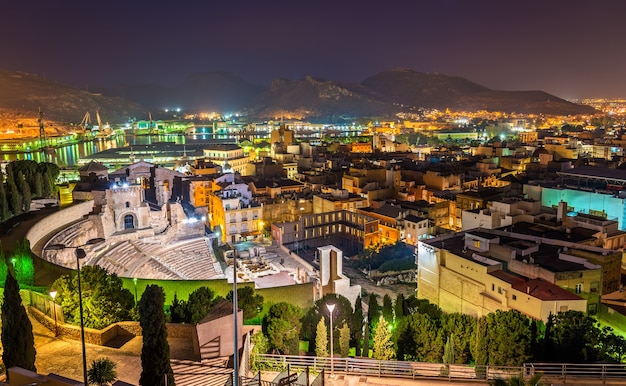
(476, 243)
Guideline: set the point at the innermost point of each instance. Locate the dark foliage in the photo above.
(155, 353)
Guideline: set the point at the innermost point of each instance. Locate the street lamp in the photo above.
(135, 281)
(236, 352)
(53, 294)
(331, 308)
(80, 253)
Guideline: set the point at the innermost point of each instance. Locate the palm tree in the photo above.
(102, 372)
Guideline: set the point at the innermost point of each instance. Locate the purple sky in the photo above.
(570, 48)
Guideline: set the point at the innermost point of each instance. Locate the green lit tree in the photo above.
(155, 353)
(344, 340)
(105, 300)
(102, 372)
(321, 339)
(23, 263)
(18, 342)
(383, 345)
(3, 268)
(260, 345)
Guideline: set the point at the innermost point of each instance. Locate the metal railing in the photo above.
(420, 370)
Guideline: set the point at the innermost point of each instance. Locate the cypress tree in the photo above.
(3, 268)
(26, 196)
(388, 309)
(155, 353)
(357, 325)
(321, 339)
(366, 341)
(17, 331)
(373, 311)
(15, 199)
(5, 212)
(400, 308)
(38, 188)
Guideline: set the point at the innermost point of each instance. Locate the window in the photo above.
(579, 288)
(476, 243)
(493, 287)
(514, 297)
(128, 204)
(500, 290)
(129, 221)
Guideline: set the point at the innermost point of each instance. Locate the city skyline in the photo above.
(569, 49)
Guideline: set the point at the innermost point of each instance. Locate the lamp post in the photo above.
(53, 294)
(135, 282)
(80, 253)
(235, 324)
(331, 308)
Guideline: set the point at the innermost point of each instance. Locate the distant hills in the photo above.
(381, 95)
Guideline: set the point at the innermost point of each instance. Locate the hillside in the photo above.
(415, 89)
(22, 95)
(381, 95)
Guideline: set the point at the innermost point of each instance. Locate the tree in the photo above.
(321, 339)
(282, 326)
(373, 311)
(387, 310)
(383, 345)
(574, 336)
(509, 338)
(26, 195)
(18, 341)
(399, 307)
(419, 339)
(342, 314)
(481, 343)
(105, 300)
(366, 341)
(260, 345)
(357, 325)
(155, 353)
(5, 211)
(102, 372)
(448, 351)
(23, 263)
(249, 302)
(38, 188)
(199, 304)
(344, 340)
(178, 310)
(3, 268)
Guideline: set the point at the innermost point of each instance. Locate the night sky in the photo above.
(573, 49)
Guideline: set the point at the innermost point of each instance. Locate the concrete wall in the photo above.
(101, 337)
(58, 220)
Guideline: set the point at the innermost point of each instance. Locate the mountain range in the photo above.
(381, 95)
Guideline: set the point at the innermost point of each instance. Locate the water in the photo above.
(68, 156)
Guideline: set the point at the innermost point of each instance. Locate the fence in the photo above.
(422, 370)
